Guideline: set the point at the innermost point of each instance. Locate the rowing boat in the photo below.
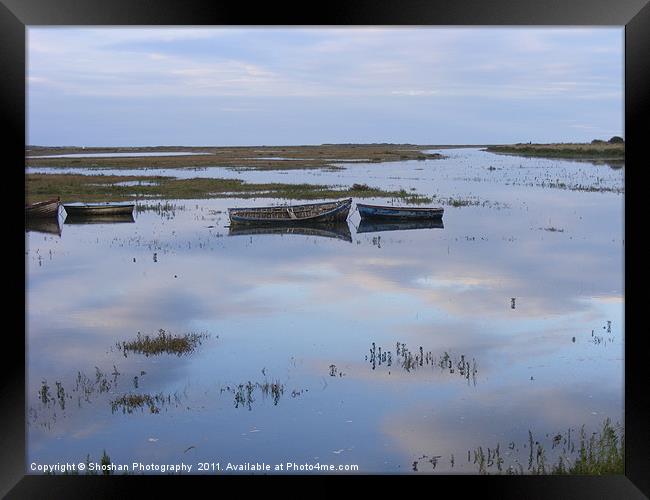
(49, 208)
(385, 212)
(292, 214)
(98, 209)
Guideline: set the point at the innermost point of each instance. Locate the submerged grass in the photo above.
(163, 343)
(93, 188)
(410, 361)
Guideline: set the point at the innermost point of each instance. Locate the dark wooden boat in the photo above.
(338, 230)
(100, 219)
(98, 209)
(48, 225)
(377, 225)
(387, 212)
(330, 211)
(49, 208)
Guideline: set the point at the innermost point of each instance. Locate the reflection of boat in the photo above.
(43, 225)
(99, 219)
(315, 212)
(49, 208)
(338, 230)
(387, 212)
(95, 209)
(373, 226)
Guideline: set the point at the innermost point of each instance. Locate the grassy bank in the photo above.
(601, 151)
(100, 188)
(250, 157)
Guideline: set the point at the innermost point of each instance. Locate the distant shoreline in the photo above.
(244, 157)
(568, 151)
(300, 156)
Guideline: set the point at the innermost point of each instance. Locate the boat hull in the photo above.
(43, 209)
(293, 214)
(398, 213)
(97, 210)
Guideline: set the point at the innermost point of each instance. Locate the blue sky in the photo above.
(283, 86)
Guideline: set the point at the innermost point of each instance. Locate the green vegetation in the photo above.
(97, 188)
(603, 453)
(597, 150)
(163, 343)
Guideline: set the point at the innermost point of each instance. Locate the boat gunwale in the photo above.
(81, 211)
(40, 204)
(94, 207)
(339, 202)
(414, 209)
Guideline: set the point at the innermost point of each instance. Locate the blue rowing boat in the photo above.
(398, 213)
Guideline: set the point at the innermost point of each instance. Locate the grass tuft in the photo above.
(163, 343)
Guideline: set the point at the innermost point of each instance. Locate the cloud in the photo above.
(319, 62)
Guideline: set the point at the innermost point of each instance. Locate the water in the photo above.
(469, 171)
(310, 312)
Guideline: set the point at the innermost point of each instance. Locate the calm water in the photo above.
(309, 312)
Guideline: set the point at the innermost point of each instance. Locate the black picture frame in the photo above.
(15, 15)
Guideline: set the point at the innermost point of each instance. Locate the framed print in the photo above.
(381, 241)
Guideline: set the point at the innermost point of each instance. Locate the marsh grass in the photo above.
(163, 343)
(128, 403)
(97, 188)
(600, 453)
(246, 157)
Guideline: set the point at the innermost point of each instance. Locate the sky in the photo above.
(196, 86)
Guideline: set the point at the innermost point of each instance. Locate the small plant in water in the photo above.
(163, 343)
(128, 403)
